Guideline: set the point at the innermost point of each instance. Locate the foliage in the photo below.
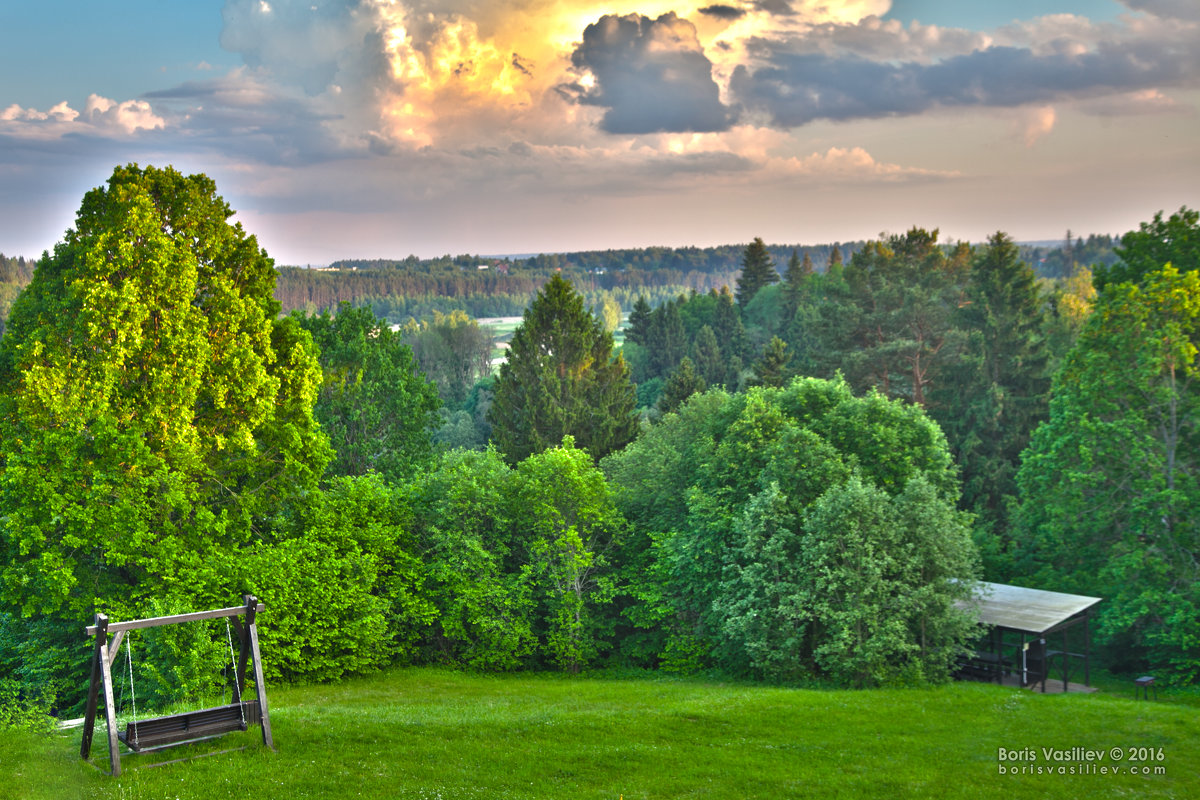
(721, 493)
(571, 525)
(462, 520)
(758, 270)
(1110, 485)
(904, 293)
(559, 379)
(152, 408)
(453, 351)
(376, 407)
(682, 384)
(1152, 246)
(997, 392)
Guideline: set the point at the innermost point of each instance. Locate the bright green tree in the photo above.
(572, 525)
(718, 495)
(758, 270)
(560, 378)
(772, 368)
(1175, 241)
(1110, 484)
(463, 518)
(153, 408)
(374, 404)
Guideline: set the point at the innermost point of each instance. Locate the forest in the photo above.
(791, 471)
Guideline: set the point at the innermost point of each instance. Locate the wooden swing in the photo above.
(190, 726)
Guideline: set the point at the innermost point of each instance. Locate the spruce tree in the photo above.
(757, 271)
(998, 392)
(638, 328)
(560, 378)
(706, 355)
(772, 368)
(682, 384)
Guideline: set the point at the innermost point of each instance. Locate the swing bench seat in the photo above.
(173, 729)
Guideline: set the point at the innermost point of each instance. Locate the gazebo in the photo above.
(1023, 626)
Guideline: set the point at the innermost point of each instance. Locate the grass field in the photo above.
(424, 733)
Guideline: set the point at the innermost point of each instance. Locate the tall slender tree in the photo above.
(758, 270)
(998, 391)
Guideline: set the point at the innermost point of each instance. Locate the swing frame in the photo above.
(190, 726)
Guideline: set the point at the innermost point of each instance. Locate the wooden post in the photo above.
(110, 713)
(260, 683)
(89, 717)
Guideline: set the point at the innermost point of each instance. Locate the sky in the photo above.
(383, 128)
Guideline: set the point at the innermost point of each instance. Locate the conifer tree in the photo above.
(638, 328)
(772, 368)
(998, 392)
(560, 378)
(757, 271)
(683, 382)
(706, 355)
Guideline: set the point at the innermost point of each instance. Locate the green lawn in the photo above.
(425, 733)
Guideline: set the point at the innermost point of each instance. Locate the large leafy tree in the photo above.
(1110, 484)
(375, 405)
(724, 496)
(1175, 241)
(560, 378)
(152, 407)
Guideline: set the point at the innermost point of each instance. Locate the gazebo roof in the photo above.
(1027, 610)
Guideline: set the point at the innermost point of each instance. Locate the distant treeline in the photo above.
(482, 286)
(14, 274)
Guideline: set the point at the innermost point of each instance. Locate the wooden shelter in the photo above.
(1025, 626)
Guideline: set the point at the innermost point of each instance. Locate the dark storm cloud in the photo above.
(724, 12)
(651, 75)
(793, 88)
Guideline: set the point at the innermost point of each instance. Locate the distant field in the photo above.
(425, 733)
(502, 329)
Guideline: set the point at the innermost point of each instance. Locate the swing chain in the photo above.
(233, 665)
(132, 696)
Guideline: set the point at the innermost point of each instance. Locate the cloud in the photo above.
(100, 117)
(790, 85)
(1168, 9)
(651, 75)
(1034, 123)
(1146, 101)
(723, 12)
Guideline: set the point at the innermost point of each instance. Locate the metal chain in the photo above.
(132, 696)
(233, 665)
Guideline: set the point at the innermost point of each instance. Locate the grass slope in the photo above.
(424, 733)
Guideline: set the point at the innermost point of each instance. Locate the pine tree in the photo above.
(727, 325)
(706, 355)
(757, 271)
(998, 392)
(638, 328)
(771, 369)
(682, 384)
(835, 268)
(560, 378)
